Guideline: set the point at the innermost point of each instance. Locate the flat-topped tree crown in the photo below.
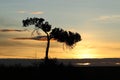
(67, 37)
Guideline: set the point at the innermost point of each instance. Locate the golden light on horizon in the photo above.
(86, 53)
(85, 50)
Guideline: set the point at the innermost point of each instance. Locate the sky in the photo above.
(97, 21)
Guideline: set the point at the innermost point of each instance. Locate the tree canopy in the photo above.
(58, 34)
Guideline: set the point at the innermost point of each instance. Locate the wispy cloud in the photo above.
(12, 30)
(37, 12)
(108, 18)
(39, 38)
(30, 12)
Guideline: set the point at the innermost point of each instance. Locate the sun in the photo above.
(85, 53)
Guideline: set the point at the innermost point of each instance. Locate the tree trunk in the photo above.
(47, 47)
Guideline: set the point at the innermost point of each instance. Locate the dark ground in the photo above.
(59, 72)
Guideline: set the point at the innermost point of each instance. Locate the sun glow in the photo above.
(85, 51)
(86, 55)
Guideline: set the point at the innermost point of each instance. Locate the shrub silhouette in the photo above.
(67, 37)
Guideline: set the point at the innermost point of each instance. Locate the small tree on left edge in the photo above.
(67, 37)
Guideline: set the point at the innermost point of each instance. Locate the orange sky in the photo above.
(87, 48)
(98, 22)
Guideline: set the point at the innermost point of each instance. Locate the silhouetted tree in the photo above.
(67, 37)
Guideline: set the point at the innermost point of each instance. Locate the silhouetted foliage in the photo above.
(67, 37)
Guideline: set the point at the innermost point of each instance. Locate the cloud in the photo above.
(12, 30)
(37, 12)
(39, 38)
(28, 12)
(111, 48)
(108, 18)
(103, 18)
